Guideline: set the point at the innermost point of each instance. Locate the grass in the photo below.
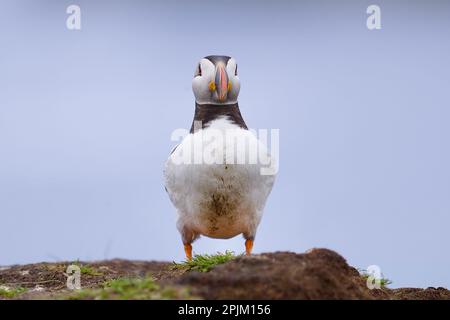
(131, 289)
(205, 262)
(384, 282)
(87, 270)
(7, 292)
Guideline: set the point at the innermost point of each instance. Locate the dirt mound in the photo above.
(47, 280)
(318, 274)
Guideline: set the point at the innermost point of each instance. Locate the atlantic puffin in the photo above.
(211, 177)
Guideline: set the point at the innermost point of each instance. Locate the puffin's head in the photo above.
(216, 81)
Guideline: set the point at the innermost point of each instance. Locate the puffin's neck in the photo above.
(210, 112)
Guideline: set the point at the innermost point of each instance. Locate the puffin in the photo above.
(214, 177)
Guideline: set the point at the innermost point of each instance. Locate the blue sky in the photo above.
(86, 118)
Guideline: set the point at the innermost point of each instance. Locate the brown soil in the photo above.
(318, 274)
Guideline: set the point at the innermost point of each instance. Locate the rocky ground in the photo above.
(319, 274)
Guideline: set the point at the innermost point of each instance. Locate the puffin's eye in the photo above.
(235, 71)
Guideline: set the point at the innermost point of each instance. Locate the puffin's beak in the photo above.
(221, 82)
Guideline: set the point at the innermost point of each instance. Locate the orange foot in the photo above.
(188, 251)
(248, 247)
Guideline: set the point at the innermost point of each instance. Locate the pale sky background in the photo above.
(86, 118)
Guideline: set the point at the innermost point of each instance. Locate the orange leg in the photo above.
(248, 246)
(188, 251)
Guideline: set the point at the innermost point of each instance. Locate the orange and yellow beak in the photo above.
(221, 82)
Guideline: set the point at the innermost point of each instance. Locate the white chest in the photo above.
(217, 191)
